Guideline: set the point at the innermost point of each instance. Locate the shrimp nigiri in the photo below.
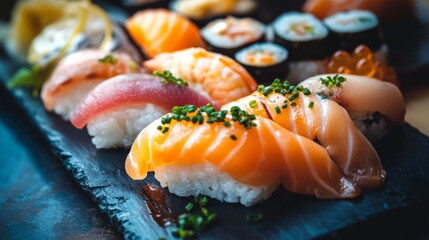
(218, 77)
(78, 73)
(117, 109)
(159, 30)
(322, 121)
(372, 104)
(233, 160)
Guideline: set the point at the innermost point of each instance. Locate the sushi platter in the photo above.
(144, 205)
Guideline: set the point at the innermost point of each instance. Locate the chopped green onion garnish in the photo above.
(293, 97)
(169, 78)
(253, 104)
(108, 59)
(277, 109)
(189, 206)
(306, 91)
(293, 104)
(204, 211)
(233, 137)
(165, 130)
(254, 217)
(330, 82)
(284, 106)
(201, 200)
(311, 104)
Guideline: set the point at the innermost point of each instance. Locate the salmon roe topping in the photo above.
(361, 62)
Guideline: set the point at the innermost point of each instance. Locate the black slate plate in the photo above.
(404, 152)
(100, 173)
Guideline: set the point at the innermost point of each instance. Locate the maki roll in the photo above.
(302, 34)
(229, 35)
(264, 61)
(306, 38)
(352, 28)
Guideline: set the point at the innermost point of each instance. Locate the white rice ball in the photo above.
(207, 179)
(120, 127)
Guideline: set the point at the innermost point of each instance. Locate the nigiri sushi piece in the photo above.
(324, 122)
(159, 30)
(234, 162)
(76, 74)
(218, 77)
(117, 109)
(373, 105)
(208, 9)
(385, 9)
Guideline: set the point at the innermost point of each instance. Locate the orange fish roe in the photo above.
(361, 62)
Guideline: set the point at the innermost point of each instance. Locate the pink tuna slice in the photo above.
(133, 89)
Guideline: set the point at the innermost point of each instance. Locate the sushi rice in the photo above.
(207, 179)
(120, 127)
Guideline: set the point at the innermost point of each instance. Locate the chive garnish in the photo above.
(311, 104)
(165, 130)
(212, 116)
(284, 106)
(306, 91)
(159, 127)
(254, 217)
(293, 97)
(334, 81)
(293, 104)
(189, 206)
(167, 77)
(189, 223)
(108, 59)
(201, 200)
(277, 109)
(233, 137)
(253, 104)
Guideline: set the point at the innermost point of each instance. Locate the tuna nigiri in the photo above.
(233, 160)
(218, 77)
(159, 30)
(79, 72)
(373, 105)
(116, 110)
(322, 121)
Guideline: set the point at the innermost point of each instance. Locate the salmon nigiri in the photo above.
(117, 109)
(322, 121)
(372, 104)
(385, 9)
(233, 157)
(78, 73)
(218, 77)
(159, 30)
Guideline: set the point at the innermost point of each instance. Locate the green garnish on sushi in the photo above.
(334, 81)
(182, 114)
(108, 59)
(169, 78)
(253, 103)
